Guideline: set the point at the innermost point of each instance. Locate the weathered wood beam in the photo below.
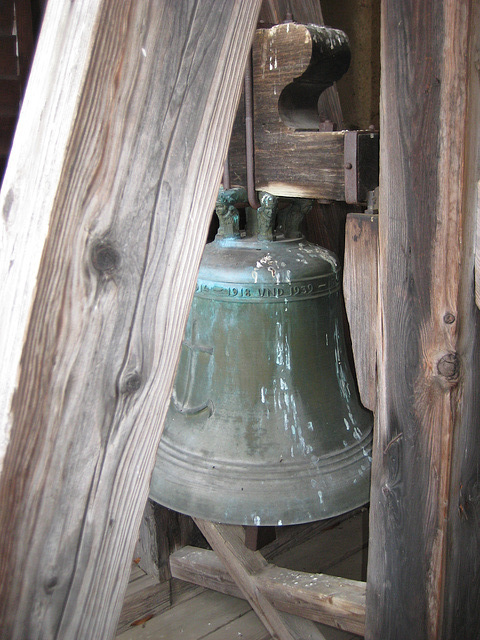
(477, 247)
(244, 566)
(330, 600)
(292, 158)
(305, 12)
(162, 531)
(423, 580)
(461, 604)
(360, 283)
(105, 206)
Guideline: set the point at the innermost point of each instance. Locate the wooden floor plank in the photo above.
(191, 620)
(135, 573)
(145, 598)
(246, 627)
(337, 634)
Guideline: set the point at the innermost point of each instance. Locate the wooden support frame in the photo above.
(333, 601)
(106, 202)
(167, 538)
(293, 156)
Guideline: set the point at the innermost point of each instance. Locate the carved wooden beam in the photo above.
(297, 151)
(292, 65)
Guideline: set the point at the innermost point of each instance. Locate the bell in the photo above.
(264, 425)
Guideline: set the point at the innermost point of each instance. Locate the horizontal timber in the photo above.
(337, 602)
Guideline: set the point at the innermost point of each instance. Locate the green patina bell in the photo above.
(264, 425)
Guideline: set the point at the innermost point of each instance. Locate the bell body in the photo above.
(264, 425)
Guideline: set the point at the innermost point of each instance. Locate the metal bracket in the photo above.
(361, 162)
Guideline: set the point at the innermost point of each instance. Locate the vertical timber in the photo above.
(423, 577)
(360, 290)
(462, 579)
(105, 207)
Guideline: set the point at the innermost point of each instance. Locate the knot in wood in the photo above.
(105, 258)
(449, 366)
(132, 383)
(50, 584)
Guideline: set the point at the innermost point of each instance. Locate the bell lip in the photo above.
(267, 522)
(295, 513)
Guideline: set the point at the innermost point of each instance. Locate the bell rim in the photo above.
(235, 500)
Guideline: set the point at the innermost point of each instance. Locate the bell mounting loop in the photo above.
(267, 223)
(228, 217)
(266, 216)
(290, 218)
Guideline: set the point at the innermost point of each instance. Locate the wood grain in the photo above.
(461, 608)
(477, 246)
(194, 619)
(290, 161)
(145, 597)
(305, 12)
(327, 599)
(426, 449)
(162, 532)
(106, 200)
(360, 283)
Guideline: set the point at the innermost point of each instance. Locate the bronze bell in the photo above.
(264, 425)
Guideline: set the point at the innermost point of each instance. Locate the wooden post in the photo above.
(423, 580)
(360, 284)
(161, 533)
(105, 206)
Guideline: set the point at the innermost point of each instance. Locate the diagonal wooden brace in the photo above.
(245, 567)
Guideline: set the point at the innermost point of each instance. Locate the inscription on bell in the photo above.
(259, 292)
